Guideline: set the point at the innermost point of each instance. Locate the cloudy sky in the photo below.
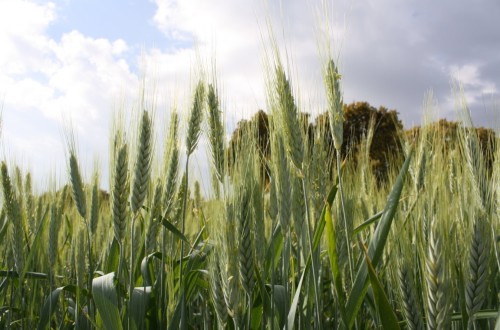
(77, 61)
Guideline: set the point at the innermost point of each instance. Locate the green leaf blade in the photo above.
(106, 301)
(376, 245)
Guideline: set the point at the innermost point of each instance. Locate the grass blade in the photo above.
(366, 224)
(295, 301)
(139, 304)
(279, 298)
(384, 308)
(106, 301)
(376, 246)
(170, 227)
(48, 308)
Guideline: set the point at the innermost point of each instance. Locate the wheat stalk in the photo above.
(14, 216)
(298, 207)
(246, 261)
(155, 218)
(273, 199)
(79, 253)
(437, 295)
(334, 96)
(192, 137)
(173, 164)
(142, 168)
(94, 206)
(77, 185)
(230, 274)
(477, 281)
(80, 268)
(217, 293)
(195, 119)
(258, 217)
(61, 203)
(215, 133)
(288, 113)
(30, 203)
(53, 235)
(282, 182)
(120, 193)
(409, 297)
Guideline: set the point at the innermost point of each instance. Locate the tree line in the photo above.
(380, 126)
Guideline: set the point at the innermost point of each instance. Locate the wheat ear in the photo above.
(172, 155)
(437, 307)
(334, 96)
(246, 260)
(409, 298)
(289, 119)
(120, 193)
(53, 235)
(195, 119)
(155, 218)
(283, 187)
(77, 185)
(215, 133)
(14, 216)
(30, 203)
(80, 268)
(217, 294)
(477, 282)
(142, 168)
(94, 206)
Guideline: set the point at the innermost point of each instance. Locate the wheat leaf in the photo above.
(106, 301)
(376, 246)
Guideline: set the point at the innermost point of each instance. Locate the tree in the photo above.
(385, 144)
(255, 129)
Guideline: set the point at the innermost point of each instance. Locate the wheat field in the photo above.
(304, 239)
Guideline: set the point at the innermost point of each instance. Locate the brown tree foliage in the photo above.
(255, 129)
(385, 145)
(447, 131)
(357, 116)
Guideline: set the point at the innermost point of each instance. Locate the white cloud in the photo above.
(469, 76)
(475, 88)
(233, 32)
(75, 79)
(24, 47)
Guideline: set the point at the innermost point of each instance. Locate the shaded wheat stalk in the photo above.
(217, 295)
(409, 298)
(477, 282)
(94, 207)
(437, 308)
(193, 135)
(246, 261)
(120, 193)
(77, 185)
(14, 216)
(215, 133)
(140, 184)
(142, 168)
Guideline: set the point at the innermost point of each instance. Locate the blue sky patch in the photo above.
(130, 20)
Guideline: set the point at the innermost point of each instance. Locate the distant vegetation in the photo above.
(363, 123)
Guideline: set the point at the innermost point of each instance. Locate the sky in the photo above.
(70, 65)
